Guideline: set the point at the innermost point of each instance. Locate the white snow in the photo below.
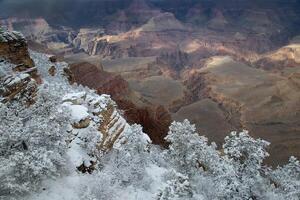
(78, 112)
(77, 155)
(74, 96)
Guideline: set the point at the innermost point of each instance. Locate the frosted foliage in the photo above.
(238, 173)
(177, 188)
(90, 138)
(245, 150)
(136, 140)
(286, 180)
(189, 151)
(31, 148)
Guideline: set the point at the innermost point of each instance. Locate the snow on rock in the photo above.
(99, 103)
(75, 98)
(94, 117)
(77, 154)
(14, 48)
(99, 111)
(78, 112)
(17, 86)
(6, 36)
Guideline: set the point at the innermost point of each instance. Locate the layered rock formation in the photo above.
(94, 77)
(18, 76)
(285, 57)
(13, 47)
(99, 111)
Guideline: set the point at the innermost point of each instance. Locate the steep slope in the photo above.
(87, 110)
(136, 109)
(281, 59)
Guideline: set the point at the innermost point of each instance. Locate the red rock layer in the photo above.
(154, 119)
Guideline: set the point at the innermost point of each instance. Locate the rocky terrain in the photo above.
(235, 64)
(86, 110)
(239, 96)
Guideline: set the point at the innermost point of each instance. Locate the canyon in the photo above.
(224, 66)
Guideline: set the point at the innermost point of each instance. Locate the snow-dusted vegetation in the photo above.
(74, 144)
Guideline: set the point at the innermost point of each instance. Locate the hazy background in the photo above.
(61, 9)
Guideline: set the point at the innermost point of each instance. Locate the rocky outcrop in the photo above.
(13, 47)
(85, 35)
(87, 110)
(17, 86)
(18, 76)
(285, 57)
(52, 70)
(105, 49)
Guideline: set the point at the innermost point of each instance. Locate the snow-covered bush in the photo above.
(127, 164)
(32, 144)
(286, 180)
(185, 146)
(177, 188)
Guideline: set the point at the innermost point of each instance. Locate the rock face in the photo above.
(285, 57)
(103, 82)
(100, 111)
(18, 77)
(154, 119)
(19, 86)
(13, 47)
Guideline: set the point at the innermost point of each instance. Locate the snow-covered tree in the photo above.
(190, 152)
(286, 179)
(177, 188)
(136, 141)
(247, 152)
(185, 144)
(90, 139)
(247, 155)
(127, 164)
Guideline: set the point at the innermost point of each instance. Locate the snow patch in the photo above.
(78, 112)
